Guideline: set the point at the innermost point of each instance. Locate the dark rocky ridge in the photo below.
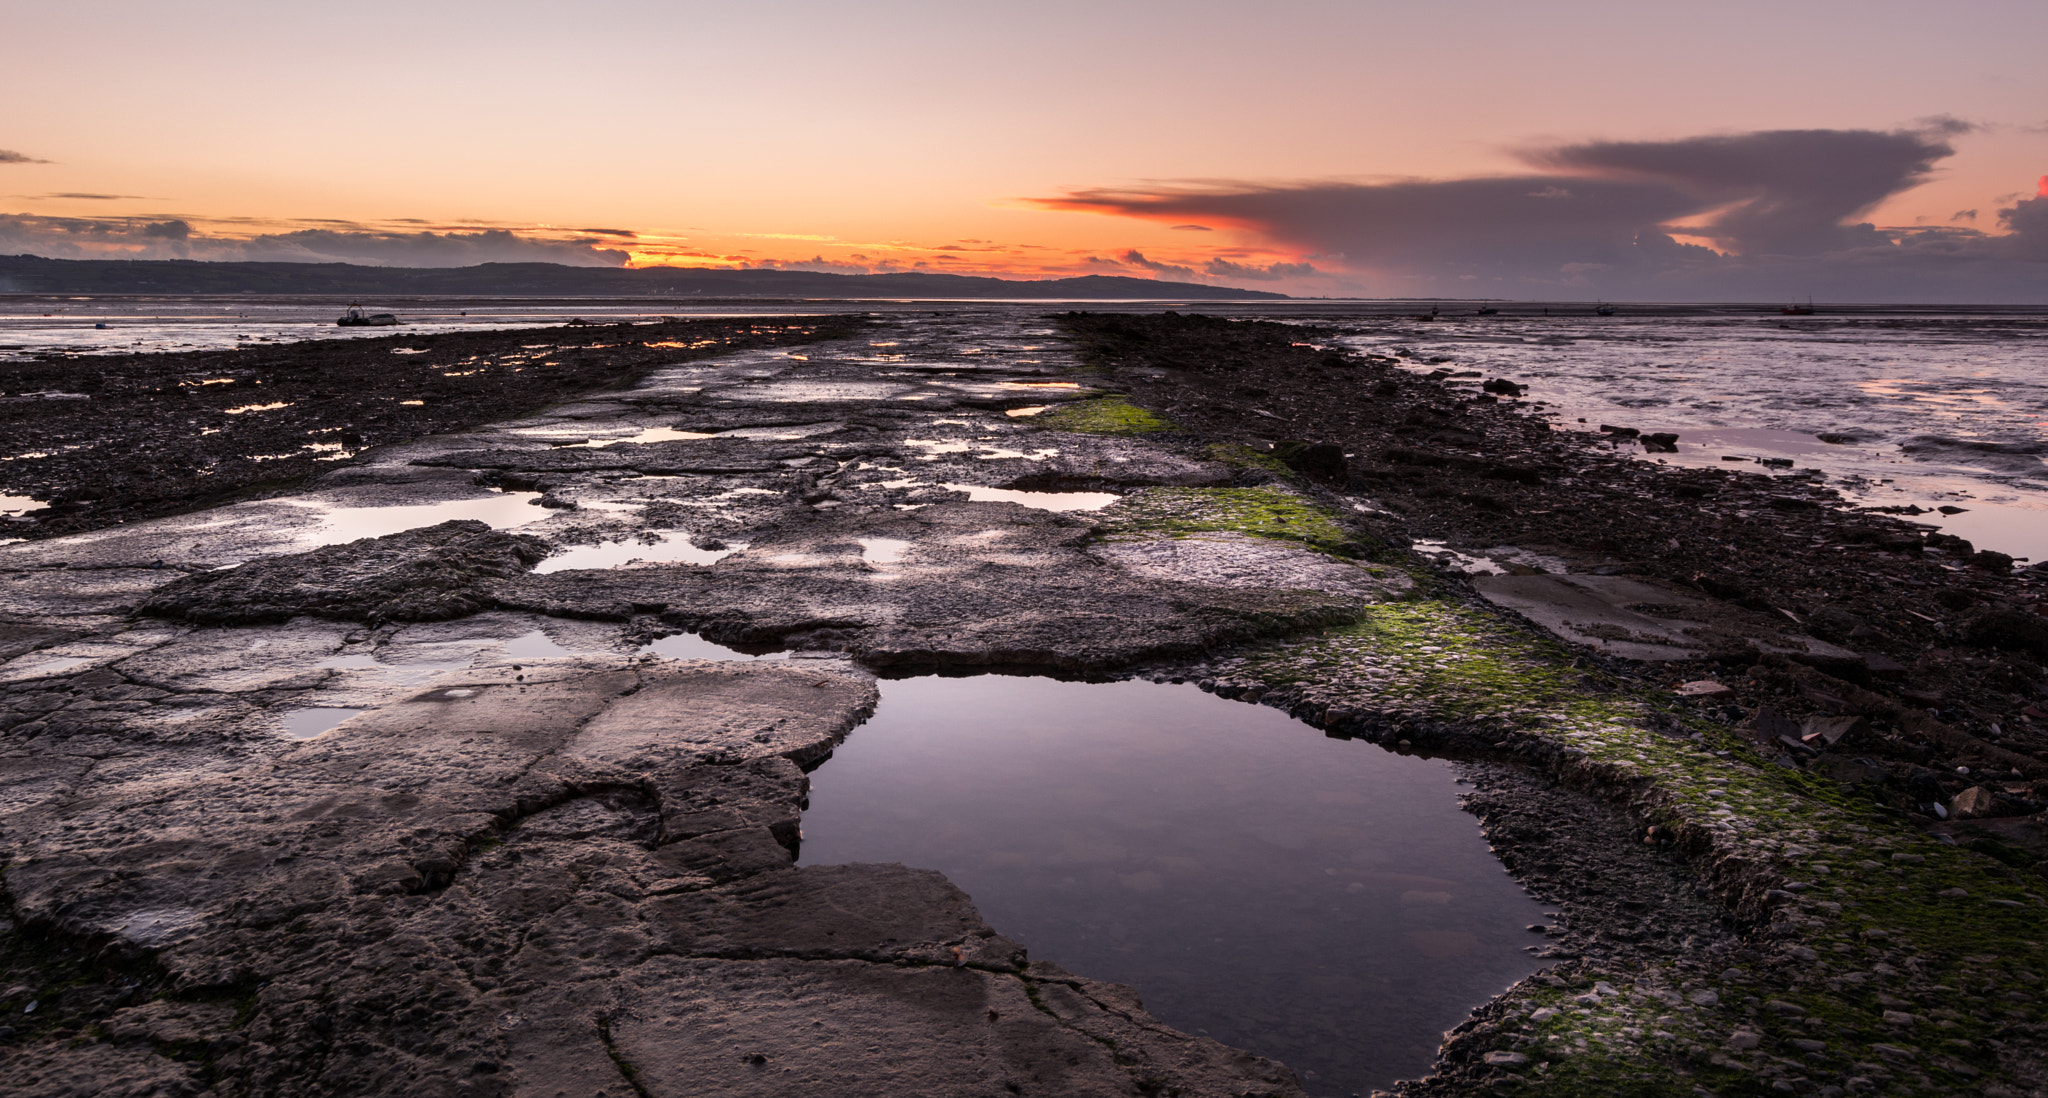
(1944, 646)
(160, 434)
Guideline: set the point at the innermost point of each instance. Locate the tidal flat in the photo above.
(375, 771)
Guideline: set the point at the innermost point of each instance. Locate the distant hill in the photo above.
(34, 274)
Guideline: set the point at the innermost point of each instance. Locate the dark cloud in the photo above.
(89, 196)
(1172, 271)
(1782, 192)
(1194, 228)
(626, 233)
(818, 264)
(1781, 208)
(9, 156)
(173, 238)
(2027, 223)
(1272, 272)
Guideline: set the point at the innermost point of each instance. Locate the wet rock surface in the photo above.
(505, 854)
(313, 824)
(516, 880)
(429, 574)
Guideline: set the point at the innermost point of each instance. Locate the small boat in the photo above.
(1487, 310)
(1603, 309)
(356, 318)
(1798, 310)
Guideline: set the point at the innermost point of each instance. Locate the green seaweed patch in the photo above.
(1898, 949)
(1110, 415)
(1240, 456)
(1259, 512)
(1432, 658)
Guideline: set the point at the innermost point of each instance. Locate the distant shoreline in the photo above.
(34, 274)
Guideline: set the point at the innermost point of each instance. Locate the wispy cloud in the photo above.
(84, 196)
(9, 156)
(333, 242)
(1770, 213)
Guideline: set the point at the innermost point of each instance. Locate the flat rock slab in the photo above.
(1650, 620)
(428, 574)
(1241, 561)
(950, 584)
(1596, 611)
(564, 875)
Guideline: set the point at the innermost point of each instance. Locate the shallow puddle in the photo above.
(650, 434)
(304, 724)
(346, 524)
(1044, 501)
(1320, 901)
(883, 550)
(671, 549)
(690, 646)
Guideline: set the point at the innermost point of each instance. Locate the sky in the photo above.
(1874, 151)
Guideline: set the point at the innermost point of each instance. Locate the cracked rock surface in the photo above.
(359, 792)
(537, 881)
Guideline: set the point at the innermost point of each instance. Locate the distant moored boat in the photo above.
(355, 318)
(1603, 309)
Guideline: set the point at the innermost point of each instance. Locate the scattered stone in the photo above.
(1973, 803)
(1704, 688)
(1829, 731)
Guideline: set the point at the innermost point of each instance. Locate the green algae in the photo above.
(1269, 512)
(1862, 908)
(1240, 456)
(1109, 415)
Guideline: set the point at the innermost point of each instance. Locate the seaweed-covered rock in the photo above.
(430, 574)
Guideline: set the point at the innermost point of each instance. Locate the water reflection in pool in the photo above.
(1319, 901)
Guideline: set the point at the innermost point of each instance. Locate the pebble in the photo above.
(1742, 1040)
(1503, 1058)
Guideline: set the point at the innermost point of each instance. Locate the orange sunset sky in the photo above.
(1025, 140)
